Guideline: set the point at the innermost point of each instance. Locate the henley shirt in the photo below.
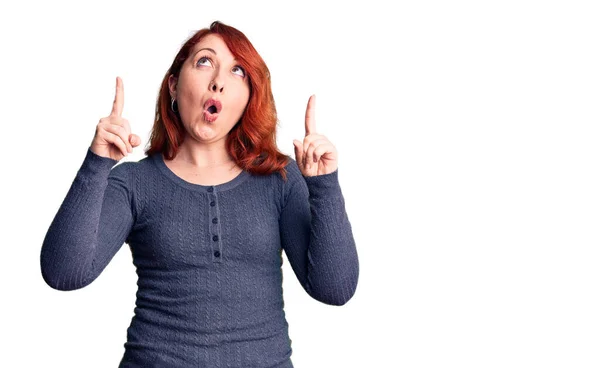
(208, 257)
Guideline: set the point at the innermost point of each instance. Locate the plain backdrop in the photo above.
(468, 139)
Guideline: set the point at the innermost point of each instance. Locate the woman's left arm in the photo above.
(315, 230)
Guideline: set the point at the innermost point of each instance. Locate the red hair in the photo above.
(252, 141)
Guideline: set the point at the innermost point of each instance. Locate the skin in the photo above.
(206, 148)
(113, 138)
(204, 145)
(315, 155)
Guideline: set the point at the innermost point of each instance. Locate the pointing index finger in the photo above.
(117, 109)
(309, 119)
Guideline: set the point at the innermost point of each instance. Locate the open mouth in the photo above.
(210, 117)
(212, 108)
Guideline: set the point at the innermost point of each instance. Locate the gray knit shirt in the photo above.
(208, 258)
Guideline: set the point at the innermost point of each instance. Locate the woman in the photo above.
(207, 215)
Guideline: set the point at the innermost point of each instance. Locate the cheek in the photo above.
(192, 99)
(243, 99)
(190, 89)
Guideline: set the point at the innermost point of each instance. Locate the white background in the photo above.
(468, 137)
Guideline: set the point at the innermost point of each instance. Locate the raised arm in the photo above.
(90, 226)
(97, 214)
(318, 241)
(315, 231)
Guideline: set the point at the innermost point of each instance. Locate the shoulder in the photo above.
(294, 182)
(131, 172)
(293, 176)
(130, 167)
(129, 176)
(124, 169)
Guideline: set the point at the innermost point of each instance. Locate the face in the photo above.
(204, 75)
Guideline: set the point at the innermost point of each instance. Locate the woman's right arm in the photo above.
(98, 213)
(91, 224)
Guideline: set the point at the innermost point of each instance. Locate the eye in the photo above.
(207, 58)
(202, 58)
(240, 68)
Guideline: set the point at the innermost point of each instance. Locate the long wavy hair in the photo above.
(252, 141)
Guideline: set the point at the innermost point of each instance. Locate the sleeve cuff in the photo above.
(324, 186)
(94, 165)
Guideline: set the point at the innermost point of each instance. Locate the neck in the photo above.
(203, 156)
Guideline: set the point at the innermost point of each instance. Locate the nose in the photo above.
(216, 85)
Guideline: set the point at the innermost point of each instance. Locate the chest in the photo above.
(211, 176)
(185, 229)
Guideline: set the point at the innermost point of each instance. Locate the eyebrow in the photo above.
(209, 49)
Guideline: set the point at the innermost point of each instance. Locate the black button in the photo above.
(212, 204)
(215, 220)
(210, 189)
(217, 253)
(215, 237)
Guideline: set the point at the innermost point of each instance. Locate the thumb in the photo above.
(135, 140)
(298, 148)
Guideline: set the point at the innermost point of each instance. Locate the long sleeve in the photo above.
(317, 237)
(90, 226)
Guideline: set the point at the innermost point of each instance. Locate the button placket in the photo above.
(214, 226)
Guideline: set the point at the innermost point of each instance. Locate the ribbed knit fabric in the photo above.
(208, 258)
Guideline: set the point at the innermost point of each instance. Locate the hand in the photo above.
(113, 138)
(316, 155)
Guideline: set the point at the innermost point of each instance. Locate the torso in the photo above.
(213, 176)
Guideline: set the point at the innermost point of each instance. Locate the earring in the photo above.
(172, 101)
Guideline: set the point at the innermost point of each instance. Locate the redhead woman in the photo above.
(207, 214)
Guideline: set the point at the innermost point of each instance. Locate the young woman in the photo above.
(207, 214)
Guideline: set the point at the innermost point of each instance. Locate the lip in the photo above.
(210, 117)
(212, 101)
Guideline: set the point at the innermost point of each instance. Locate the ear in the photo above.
(172, 81)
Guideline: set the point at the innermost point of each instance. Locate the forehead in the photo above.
(214, 42)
